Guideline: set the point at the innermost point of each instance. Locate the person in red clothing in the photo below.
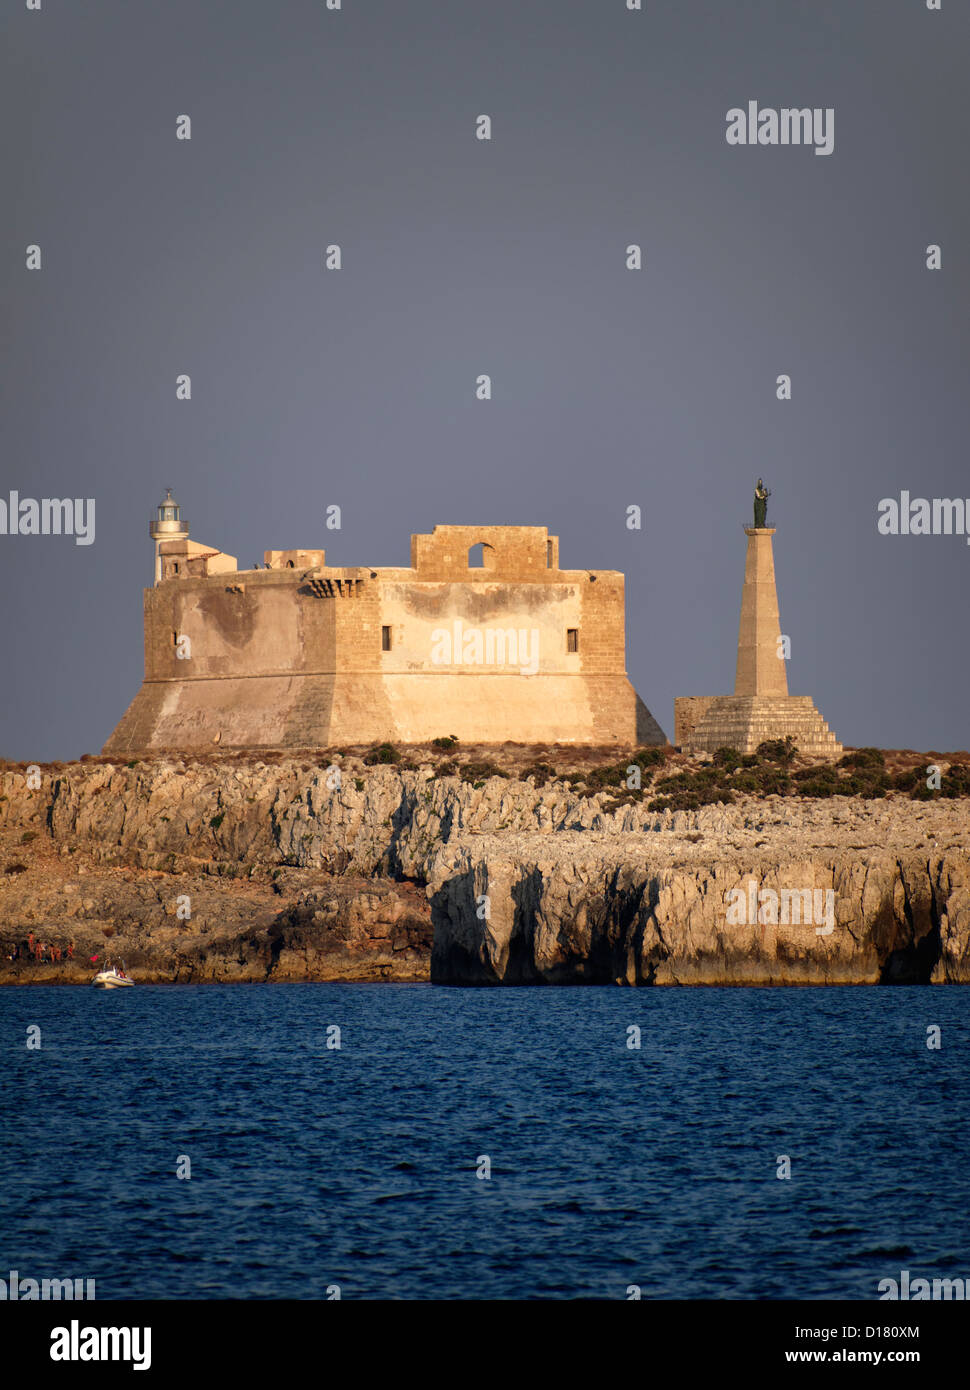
(70, 950)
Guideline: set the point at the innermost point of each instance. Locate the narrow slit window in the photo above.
(385, 639)
(572, 639)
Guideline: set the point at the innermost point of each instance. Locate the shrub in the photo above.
(774, 781)
(777, 750)
(382, 753)
(27, 836)
(613, 775)
(826, 773)
(216, 821)
(956, 780)
(650, 757)
(869, 787)
(540, 772)
(692, 799)
(744, 782)
(869, 782)
(727, 757)
(477, 773)
(449, 741)
(863, 757)
(817, 788)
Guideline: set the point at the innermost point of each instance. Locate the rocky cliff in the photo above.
(244, 869)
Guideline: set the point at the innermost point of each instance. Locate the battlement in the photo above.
(507, 552)
(293, 559)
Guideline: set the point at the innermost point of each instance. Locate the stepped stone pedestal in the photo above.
(761, 707)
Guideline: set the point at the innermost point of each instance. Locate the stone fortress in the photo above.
(483, 637)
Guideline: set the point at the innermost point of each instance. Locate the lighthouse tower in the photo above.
(166, 525)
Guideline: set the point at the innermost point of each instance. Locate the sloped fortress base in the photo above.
(319, 711)
(744, 721)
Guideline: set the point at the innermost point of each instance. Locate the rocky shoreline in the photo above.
(254, 869)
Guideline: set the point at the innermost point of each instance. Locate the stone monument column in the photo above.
(760, 669)
(761, 709)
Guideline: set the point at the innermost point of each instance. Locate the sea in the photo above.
(417, 1142)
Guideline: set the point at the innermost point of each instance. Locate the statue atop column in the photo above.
(761, 495)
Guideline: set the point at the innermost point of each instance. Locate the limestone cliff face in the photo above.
(521, 885)
(592, 914)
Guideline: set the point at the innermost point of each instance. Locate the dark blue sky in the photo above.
(611, 387)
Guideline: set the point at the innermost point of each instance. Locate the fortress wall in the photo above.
(496, 708)
(420, 615)
(357, 625)
(249, 627)
(602, 627)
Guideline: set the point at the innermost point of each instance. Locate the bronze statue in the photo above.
(761, 495)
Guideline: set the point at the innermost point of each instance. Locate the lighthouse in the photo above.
(166, 525)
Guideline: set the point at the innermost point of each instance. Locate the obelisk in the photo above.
(761, 663)
(761, 709)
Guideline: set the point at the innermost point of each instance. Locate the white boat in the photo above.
(112, 978)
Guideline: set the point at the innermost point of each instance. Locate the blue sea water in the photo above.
(610, 1166)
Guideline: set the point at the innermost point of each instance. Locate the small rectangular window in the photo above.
(572, 639)
(385, 639)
